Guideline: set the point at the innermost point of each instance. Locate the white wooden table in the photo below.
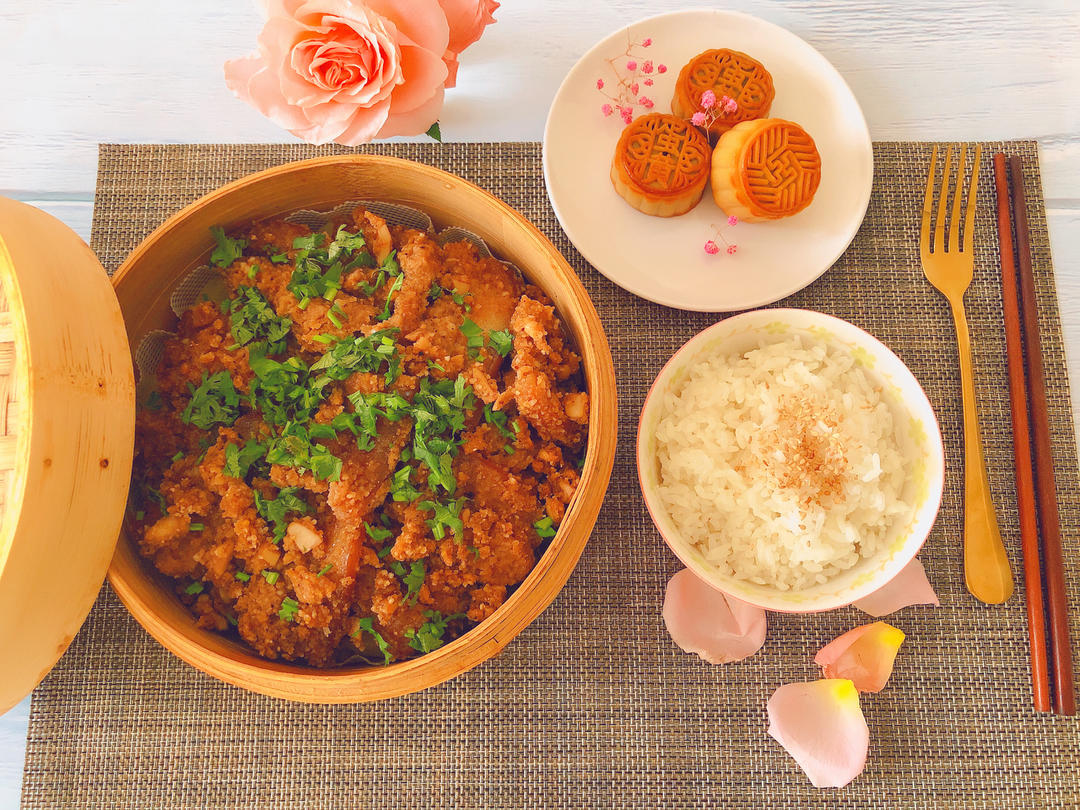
(74, 73)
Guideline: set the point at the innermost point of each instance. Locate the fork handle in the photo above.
(986, 565)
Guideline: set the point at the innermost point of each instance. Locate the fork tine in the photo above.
(943, 202)
(927, 207)
(969, 218)
(958, 193)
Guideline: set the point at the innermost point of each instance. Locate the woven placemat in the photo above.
(593, 705)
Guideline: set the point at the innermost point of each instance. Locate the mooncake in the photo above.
(765, 169)
(727, 73)
(661, 165)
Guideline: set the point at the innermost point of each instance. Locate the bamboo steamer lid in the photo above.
(67, 428)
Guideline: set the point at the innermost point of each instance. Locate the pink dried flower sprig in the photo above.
(631, 70)
(711, 246)
(713, 109)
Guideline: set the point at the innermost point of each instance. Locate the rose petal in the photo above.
(822, 726)
(909, 587)
(864, 655)
(424, 73)
(251, 81)
(703, 620)
(467, 20)
(413, 122)
(419, 22)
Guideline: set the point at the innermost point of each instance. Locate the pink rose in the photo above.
(347, 71)
(467, 20)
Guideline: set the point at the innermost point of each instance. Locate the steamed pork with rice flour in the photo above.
(781, 464)
(363, 448)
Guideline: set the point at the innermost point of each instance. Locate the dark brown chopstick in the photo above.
(1046, 489)
(1025, 484)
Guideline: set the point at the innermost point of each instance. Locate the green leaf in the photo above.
(389, 295)
(227, 250)
(368, 624)
(214, 402)
(194, 588)
(238, 460)
(501, 341)
(434, 132)
(278, 511)
(289, 609)
(252, 318)
(474, 337)
(429, 635)
(545, 528)
(377, 533)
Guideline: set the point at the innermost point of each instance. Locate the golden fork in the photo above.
(950, 270)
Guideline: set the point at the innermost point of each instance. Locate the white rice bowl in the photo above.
(794, 465)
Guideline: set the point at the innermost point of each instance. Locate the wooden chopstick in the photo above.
(1046, 489)
(1025, 485)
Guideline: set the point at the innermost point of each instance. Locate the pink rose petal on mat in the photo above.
(710, 623)
(822, 726)
(864, 655)
(909, 587)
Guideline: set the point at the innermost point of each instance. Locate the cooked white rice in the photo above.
(781, 465)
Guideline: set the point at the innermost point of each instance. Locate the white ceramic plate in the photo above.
(663, 259)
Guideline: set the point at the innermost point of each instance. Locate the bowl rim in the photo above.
(233, 662)
(927, 513)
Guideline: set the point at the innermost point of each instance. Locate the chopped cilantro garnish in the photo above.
(270, 576)
(368, 624)
(279, 258)
(501, 341)
(436, 291)
(194, 588)
(414, 579)
(390, 263)
(153, 401)
(289, 608)
(445, 517)
(157, 498)
(377, 533)
(498, 420)
(508, 449)
(252, 318)
(238, 460)
(243, 576)
(325, 569)
(327, 339)
(214, 402)
(333, 317)
(367, 353)
(276, 511)
(227, 250)
(401, 488)
(545, 528)
(197, 527)
(429, 635)
(370, 406)
(140, 514)
(179, 454)
(389, 295)
(295, 448)
(474, 337)
(438, 413)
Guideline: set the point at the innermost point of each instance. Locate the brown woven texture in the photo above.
(593, 705)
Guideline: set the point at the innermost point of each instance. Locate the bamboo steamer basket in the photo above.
(143, 286)
(67, 421)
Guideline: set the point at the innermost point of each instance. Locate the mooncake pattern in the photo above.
(661, 165)
(765, 169)
(781, 168)
(726, 73)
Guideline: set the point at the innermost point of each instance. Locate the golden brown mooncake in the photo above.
(661, 165)
(765, 169)
(726, 73)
